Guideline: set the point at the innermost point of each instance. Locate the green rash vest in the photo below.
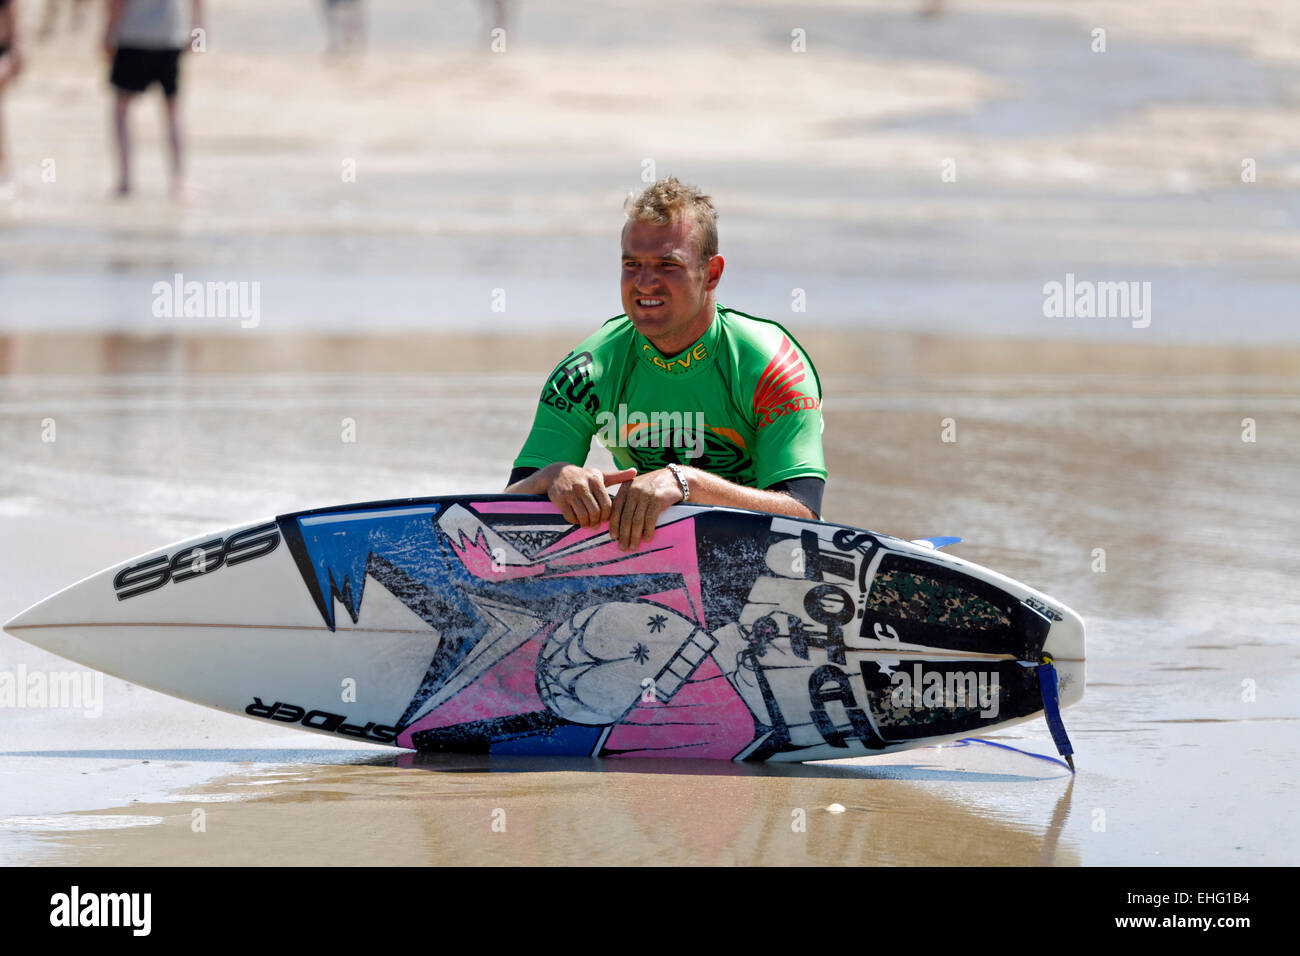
(743, 403)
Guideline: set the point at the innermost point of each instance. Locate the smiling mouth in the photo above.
(648, 303)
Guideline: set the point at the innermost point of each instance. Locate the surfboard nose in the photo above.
(49, 622)
(24, 621)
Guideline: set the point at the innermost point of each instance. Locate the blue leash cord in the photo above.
(1052, 709)
(1027, 753)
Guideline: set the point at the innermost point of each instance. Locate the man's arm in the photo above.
(709, 489)
(115, 9)
(518, 483)
(14, 62)
(806, 489)
(196, 20)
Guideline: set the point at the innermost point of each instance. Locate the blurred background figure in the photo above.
(145, 39)
(496, 13)
(76, 19)
(11, 64)
(344, 27)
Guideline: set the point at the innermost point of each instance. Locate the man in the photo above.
(695, 401)
(145, 40)
(11, 64)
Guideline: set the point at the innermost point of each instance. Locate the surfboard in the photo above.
(490, 624)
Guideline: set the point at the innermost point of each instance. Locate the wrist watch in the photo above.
(681, 480)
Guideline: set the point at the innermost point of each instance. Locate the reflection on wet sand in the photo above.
(417, 809)
(893, 354)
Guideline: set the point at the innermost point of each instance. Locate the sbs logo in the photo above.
(197, 559)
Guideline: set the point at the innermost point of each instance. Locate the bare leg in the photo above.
(180, 189)
(496, 12)
(6, 187)
(335, 29)
(123, 137)
(4, 81)
(357, 27)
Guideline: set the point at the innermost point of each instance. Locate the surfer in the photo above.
(696, 402)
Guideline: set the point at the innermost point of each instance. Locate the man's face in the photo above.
(666, 289)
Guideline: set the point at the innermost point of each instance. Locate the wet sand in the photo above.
(1196, 597)
(420, 811)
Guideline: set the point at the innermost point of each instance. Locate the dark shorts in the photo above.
(135, 70)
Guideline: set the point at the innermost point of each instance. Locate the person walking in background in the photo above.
(11, 64)
(145, 39)
(344, 27)
(497, 13)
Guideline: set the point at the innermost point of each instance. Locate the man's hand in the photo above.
(580, 493)
(637, 507)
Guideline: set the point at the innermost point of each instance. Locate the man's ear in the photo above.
(715, 266)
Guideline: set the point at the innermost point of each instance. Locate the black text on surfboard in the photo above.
(196, 559)
(320, 720)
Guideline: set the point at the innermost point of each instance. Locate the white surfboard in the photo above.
(489, 624)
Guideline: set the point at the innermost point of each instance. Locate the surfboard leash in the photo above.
(1047, 685)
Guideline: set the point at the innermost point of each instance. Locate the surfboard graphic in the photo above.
(490, 624)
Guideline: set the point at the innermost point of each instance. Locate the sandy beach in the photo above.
(481, 174)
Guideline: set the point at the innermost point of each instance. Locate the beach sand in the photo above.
(1170, 451)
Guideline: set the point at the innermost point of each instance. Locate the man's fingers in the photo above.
(596, 501)
(603, 502)
(618, 477)
(633, 537)
(651, 516)
(565, 510)
(616, 511)
(597, 497)
(570, 506)
(580, 509)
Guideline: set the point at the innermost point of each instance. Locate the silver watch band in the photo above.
(681, 480)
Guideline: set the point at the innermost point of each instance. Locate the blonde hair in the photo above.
(668, 201)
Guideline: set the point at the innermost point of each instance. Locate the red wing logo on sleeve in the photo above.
(775, 394)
